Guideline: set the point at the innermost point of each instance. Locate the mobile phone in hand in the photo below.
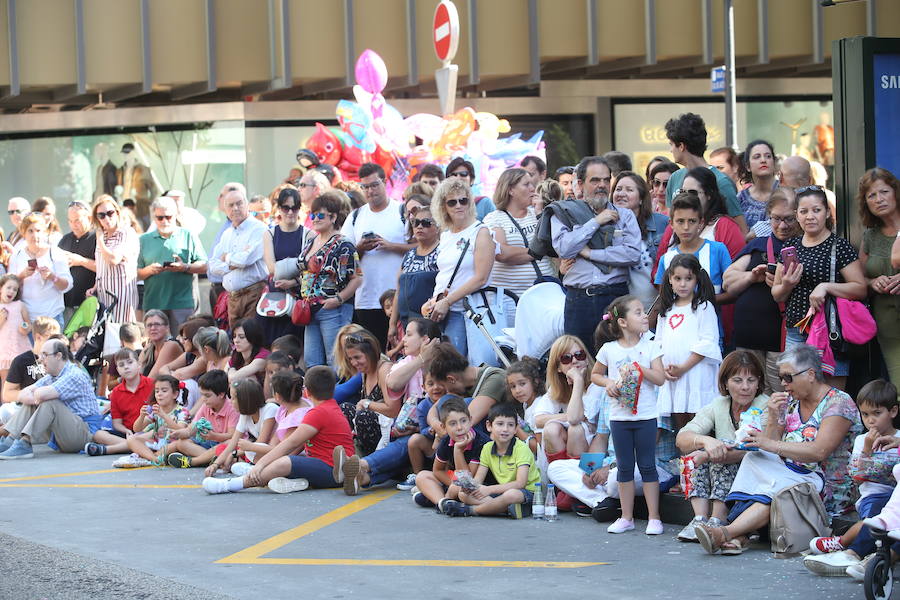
(32, 263)
(789, 256)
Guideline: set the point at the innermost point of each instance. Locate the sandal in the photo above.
(734, 547)
(712, 539)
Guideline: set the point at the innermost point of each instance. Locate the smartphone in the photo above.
(369, 234)
(167, 263)
(789, 256)
(770, 267)
(32, 262)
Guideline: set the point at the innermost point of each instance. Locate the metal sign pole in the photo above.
(730, 95)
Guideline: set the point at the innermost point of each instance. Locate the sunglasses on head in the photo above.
(809, 189)
(423, 222)
(454, 201)
(356, 338)
(106, 215)
(578, 355)
(789, 377)
(76, 204)
(318, 215)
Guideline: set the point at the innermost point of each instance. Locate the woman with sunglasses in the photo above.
(418, 271)
(658, 177)
(808, 437)
(43, 273)
(161, 348)
(805, 283)
(281, 241)
(465, 258)
(371, 417)
(118, 247)
(328, 277)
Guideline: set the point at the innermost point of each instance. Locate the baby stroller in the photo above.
(90, 355)
(485, 311)
(879, 580)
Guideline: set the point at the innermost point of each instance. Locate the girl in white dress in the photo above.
(688, 331)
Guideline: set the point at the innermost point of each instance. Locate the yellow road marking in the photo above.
(97, 485)
(254, 554)
(33, 477)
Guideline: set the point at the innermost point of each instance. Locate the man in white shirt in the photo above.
(238, 257)
(379, 231)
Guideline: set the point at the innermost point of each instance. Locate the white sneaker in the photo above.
(688, 534)
(132, 461)
(240, 468)
(212, 485)
(833, 564)
(409, 484)
(283, 485)
(620, 526)
(654, 527)
(857, 571)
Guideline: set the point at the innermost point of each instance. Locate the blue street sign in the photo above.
(717, 79)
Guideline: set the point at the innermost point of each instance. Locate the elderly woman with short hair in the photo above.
(465, 258)
(810, 444)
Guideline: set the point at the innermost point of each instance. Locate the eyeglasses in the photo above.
(306, 185)
(454, 201)
(423, 223)
(106, 215)
(17, 211)
(318, 215)
(288, 207)
(567, 358)
(154, 324)
(660, 183)
(370, 186)
(786, 220)
(809, 188)
(164, 217)
(689, 192)
(789, 377)
(459, 174)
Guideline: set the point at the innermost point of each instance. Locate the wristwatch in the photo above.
(366, 404)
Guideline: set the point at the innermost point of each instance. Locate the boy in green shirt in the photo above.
(511, 463)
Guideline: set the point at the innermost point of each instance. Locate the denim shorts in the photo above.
(529, 496)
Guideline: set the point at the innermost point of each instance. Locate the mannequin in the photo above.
(107, 175)
(137, 183)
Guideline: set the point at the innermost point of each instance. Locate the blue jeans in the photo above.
(455, 329)
(635, 441)
(315, 471)
(869, 506)
(795, 338)
(585, 307)
(318, 339)
(384, 464)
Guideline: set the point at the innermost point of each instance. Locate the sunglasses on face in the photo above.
(289, 208)
(459, 174)
(789, 377)
(318, 215)
(164, 217)
(684, 191)
(567, 358)
(659, 183)
(106, 215)
(454, 201)
(423, 223)
(306, 185)
(15, 212)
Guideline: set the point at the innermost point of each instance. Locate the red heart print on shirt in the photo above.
(676, 320)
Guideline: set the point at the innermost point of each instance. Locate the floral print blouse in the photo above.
(329, 269)
(838, 491)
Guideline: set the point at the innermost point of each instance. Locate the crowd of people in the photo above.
(690, 300)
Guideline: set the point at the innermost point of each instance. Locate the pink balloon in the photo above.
(371, 72)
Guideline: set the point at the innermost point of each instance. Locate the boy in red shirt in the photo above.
(126, 402)
(323, 435)
(194, 447)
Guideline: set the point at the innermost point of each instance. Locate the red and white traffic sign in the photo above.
(445, 31)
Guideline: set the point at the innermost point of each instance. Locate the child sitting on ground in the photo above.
(126, 402)
(459, 449)
(421, 445)
(194, 446)
(252, 433)
(526, 384)
(287, 387)
(324, 434)
(155, 423)
(276, 362)
(511, 463)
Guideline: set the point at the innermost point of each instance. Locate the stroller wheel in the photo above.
(879, 579)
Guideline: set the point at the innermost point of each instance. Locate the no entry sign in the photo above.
(445, 31)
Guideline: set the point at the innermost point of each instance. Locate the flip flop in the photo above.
(708, 539)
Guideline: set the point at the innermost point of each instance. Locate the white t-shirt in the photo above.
(41, 297)
(246, 425)
(544, 405)
(516, 278)
(379, 267)
(448, 251)
(867, 488)
(614, 355)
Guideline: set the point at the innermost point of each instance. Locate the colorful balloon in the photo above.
(325, 144)
(371, 72)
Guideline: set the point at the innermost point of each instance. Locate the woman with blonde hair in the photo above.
(118, 247)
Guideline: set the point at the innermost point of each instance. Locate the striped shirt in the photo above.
(516, 278)
(121, 279)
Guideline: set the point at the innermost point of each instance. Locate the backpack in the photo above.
(797, 515)
(570, 213)
(220, 311)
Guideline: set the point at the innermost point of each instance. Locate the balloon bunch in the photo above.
(371, 130)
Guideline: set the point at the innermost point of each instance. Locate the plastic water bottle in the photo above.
(537, 503)
(550, 513)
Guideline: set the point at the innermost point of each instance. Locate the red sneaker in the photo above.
(825, 545)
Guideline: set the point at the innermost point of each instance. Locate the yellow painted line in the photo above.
(33, 477)
(505, 564)
(254, 554)
(255, 551)
(97, 485)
